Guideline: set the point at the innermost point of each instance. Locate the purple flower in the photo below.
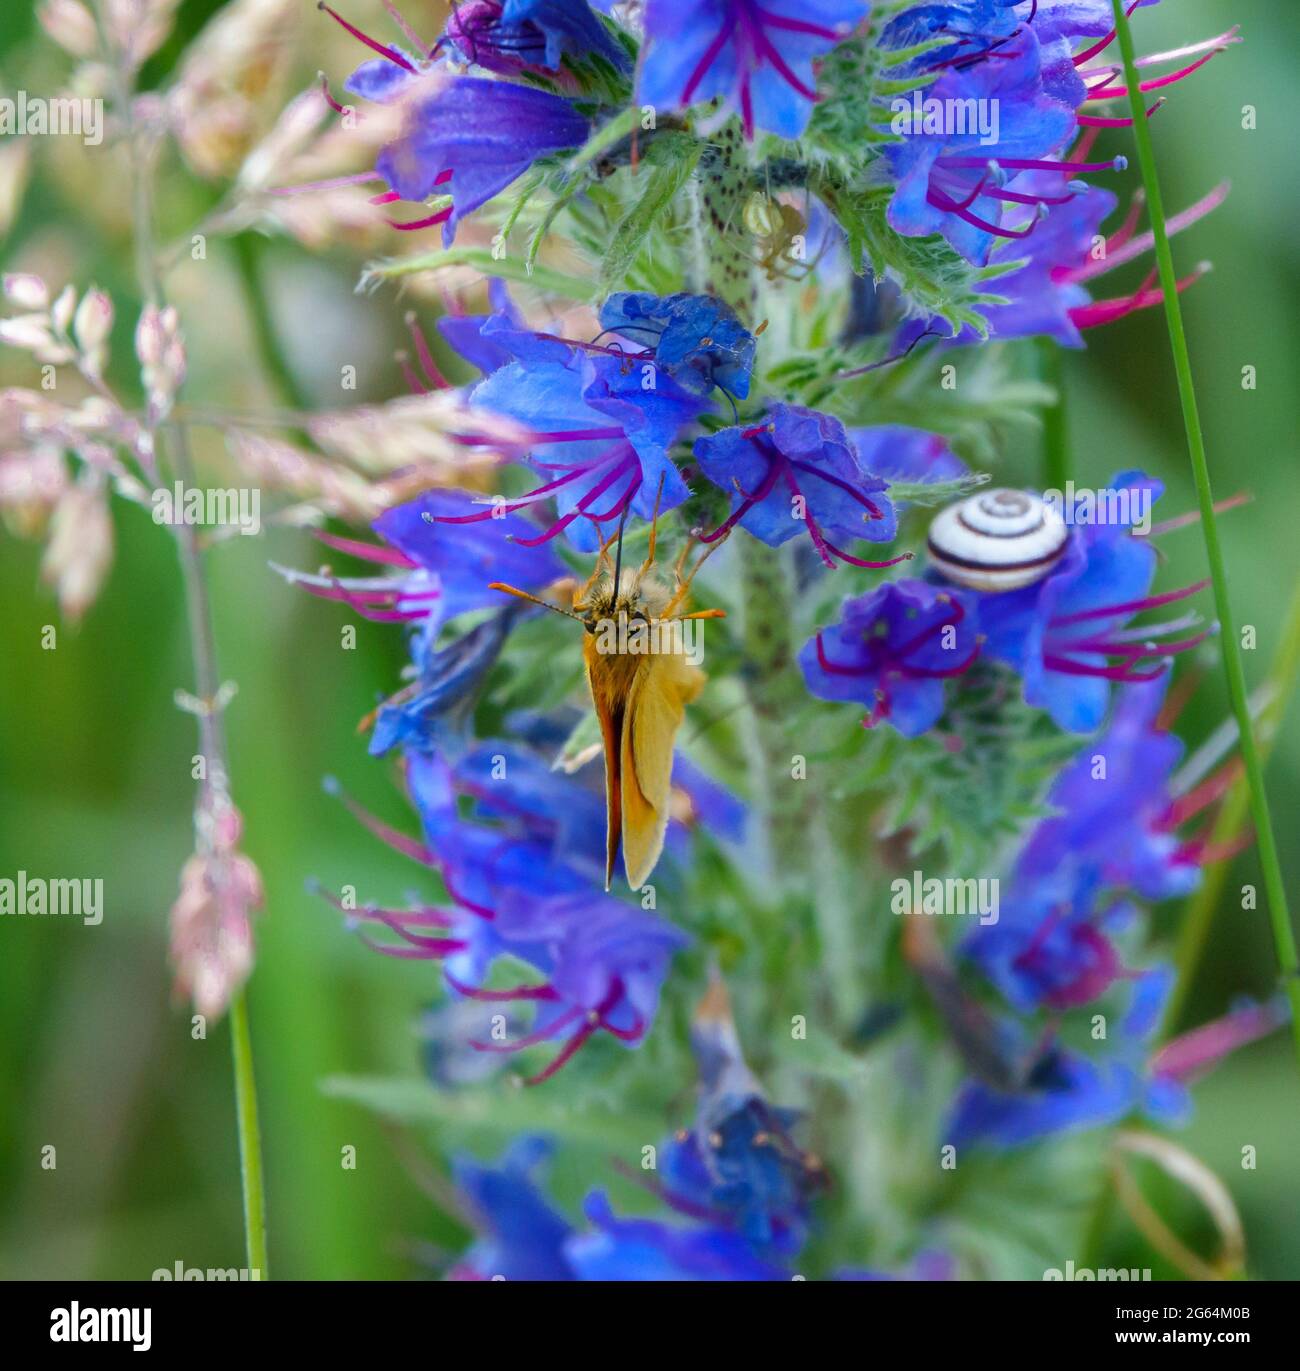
(432, 577)
(892, 650)
(756, 55)
(895, 452)
(595, 425)
(475, 336)
(602, 964)
(796, 470)
(739, 1168)
(1062, 633)
(465, 561)
(437, 710)
(1047, 296)
(514, 895)
(470, 140)
(1052, 946)
(696, 339)
(957, 182)
(523, 35)
(1064, 1091)
(1115, 816)
(647, 1250)
(521, 1238)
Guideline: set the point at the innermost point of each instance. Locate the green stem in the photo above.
(1056, 437)
(250, 1138)
(199, 620)
(1195, 929)
(773, 691)
(1274, 888)
(248, 249)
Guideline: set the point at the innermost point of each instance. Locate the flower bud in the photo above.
(26, 290)
(93, 321)
(80, 549)
(71, 25)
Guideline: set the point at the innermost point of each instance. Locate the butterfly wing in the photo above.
(663, 685)
(610, 678)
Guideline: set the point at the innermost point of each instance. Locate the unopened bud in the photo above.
(71, 25)
(26, 290)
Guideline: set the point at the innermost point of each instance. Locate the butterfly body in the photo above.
(641, 682)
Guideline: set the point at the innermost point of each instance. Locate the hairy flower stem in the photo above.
(773, 690)
(724, 178)
(1274, 888)
(1195, 929)
(211, 734)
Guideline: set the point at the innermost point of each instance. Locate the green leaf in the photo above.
(501, 1110)
(931, 493)
(933, 277)
(668, 163)
(508, 268)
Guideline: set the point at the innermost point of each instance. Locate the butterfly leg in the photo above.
(654, 530)
(684, 582)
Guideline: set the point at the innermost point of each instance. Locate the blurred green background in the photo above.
(95, 758)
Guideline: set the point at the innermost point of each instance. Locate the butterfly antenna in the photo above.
(533, 599)
(618, 552)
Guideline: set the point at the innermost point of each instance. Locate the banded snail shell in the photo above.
(997, 540)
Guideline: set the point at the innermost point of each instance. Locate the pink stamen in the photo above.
(411, 225)
(1188, 806)
(329, 99)
(520, 992)
(1123, 247)
(373, 44)
(706, 61)
(430, 368)
(1189, 1054)
(1102, 44)
(1033, 164)
(1094, 121)
(399, 842)
(367, 552)
(1108, 311)
(1130, 606)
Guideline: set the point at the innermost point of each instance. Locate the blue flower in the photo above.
(895, 452)
(597, 425)
(524, 35)
(471, 139)
(758, 58)
(1114, 814)
(437, 710)
(1065, 1091)
(1062, 633)
(957, 184)
(521, 1238)
(696, 339)
(739, 1167)
(567, 26)
(475, 336)
(1052, 946)
(465, 562)
(647, 1250)
(798, 470)
(892, 650)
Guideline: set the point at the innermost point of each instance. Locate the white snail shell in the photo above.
(997, 540)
